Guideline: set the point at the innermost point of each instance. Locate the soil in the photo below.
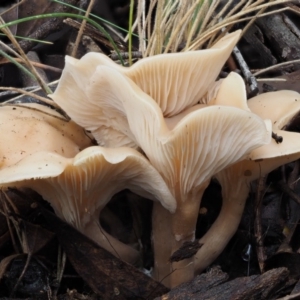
(34, 243)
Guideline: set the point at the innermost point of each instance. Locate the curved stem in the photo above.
(162, 246)
(225, 226)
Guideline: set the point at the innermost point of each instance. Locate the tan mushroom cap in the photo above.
(231, 92)
(280, 106)
(180, 80)
(175, 81)
(78, 188)
(33, 127)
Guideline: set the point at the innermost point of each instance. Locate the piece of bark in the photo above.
(50, 26)
(108, 276)
(284, 42)
(200, 284)
(211, 286)
(254, 50)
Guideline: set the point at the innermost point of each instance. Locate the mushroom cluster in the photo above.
(165, 127)
(43, 151)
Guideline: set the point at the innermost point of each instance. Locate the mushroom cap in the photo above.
(78, 188)
(33, 127)
(231, 91)
(180, 80)
(72, 95)
(197, 147)
(280, 107)
(289, 145)
(176, 81)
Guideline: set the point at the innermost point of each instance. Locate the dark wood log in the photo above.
(211, 286)
(108, 276)
(280, 35)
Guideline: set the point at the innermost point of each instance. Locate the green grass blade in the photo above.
(68, 15)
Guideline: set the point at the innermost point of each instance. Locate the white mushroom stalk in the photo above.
(201, 144)
(176, 81)
(235, 180)
(79, 188)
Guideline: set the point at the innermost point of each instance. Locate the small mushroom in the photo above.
(186, 156)
(79, 188)
(281, 107)
(176, 81)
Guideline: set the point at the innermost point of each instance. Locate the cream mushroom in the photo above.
(29, 128)
(186, 156)
(176, 81)
(79, 188)
(235, 180)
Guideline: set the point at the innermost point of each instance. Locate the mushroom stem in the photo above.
(223, 229)
(123, 251)
(170, 232)
(235, 181)
(162, 247)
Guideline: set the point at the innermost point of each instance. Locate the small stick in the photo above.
(80, 32)
(125, 55)
(34, 63)
(257, 224)
(250, 79)
(286, 63)
(290, 297)
(287, 190)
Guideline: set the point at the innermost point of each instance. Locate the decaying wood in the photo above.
(254, 49)
(51, 25)
(211, 286)
(108, 276)
(278, 33)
